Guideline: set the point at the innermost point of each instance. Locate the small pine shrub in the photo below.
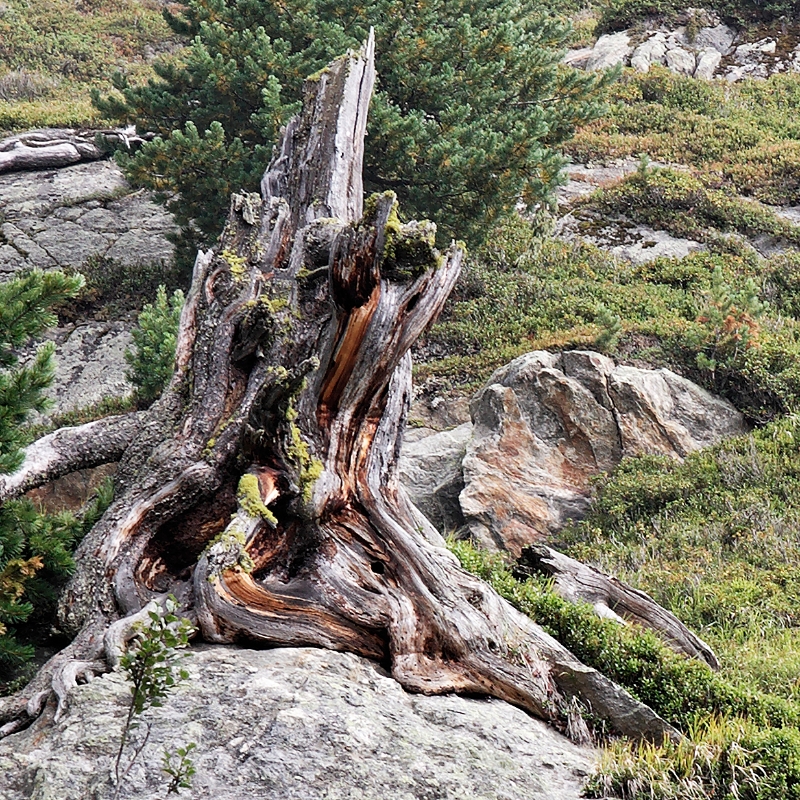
(35, 563)
(729, 321)
(152, 360)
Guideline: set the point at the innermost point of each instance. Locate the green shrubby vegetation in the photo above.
(737, 736)
(53, 51)
(114, 288)
(684, 205)
(741, 136)
(621, 14)
(470, 109)
(152, 360)
(707, 315)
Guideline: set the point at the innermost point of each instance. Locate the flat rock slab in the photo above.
(296, 724)
(624, 239)
(90, 364)
(61, 217)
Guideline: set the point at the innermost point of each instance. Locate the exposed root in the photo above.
(66, 679)
(89, 655)
(119, 633)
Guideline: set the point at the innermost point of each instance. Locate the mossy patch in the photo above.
(235, 263)
(309, 468)
(248, 495)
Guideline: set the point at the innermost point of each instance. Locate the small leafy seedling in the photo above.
(179, 767)
(152, 664)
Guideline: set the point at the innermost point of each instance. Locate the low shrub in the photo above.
(35, 562)
(24, 85)
(620, 14)
(121, 288)
(681, 203)
(152, 360)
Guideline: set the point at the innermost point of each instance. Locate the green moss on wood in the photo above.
(248, 495)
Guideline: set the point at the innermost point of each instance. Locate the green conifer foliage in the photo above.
(152, 360)
(34, 548)
(471, 107)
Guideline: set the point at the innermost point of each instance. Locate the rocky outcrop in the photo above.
(59, 218)
(90, 364)
(702, 47)
(430, 469)
(548, 422)
(293, 724)
(622, 238)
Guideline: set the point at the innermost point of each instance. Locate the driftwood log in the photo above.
(53, 148)
(613, 599)
(261, 488)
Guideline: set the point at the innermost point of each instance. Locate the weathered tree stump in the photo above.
(261, 488)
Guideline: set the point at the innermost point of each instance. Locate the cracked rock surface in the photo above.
(548, 422)
(90, 364)
(58, 219)
(61, 217)
(294, 724)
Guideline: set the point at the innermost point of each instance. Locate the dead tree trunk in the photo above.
(261, 488)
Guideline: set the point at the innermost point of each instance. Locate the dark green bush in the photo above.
(152, 361)
(621, 14)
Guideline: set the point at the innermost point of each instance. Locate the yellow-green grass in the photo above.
(53, 52)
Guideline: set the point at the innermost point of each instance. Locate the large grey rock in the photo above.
(90, 364)
(296, 724)
(430, 470)
(608, 51)
(651, 51)
(547, 423)
(718, 37)
(62, 217)
(681, 61)
(707, 62)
